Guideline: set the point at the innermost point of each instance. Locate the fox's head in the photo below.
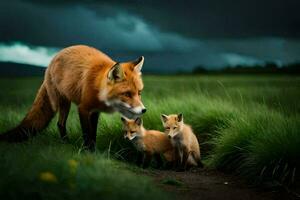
(173, 124)
(124, 87)
(132, 128)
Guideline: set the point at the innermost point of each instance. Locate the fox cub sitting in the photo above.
(149, 142)
(184, 141)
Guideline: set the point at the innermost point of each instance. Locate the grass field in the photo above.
(248, 125)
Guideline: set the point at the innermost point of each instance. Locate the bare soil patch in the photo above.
(211, 185)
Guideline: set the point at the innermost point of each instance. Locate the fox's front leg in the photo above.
(88, 121)
(185, 156)
(177, 155)
(63, 109)
(139, 160)
(94, 122)
(159, 161)
(147, 159)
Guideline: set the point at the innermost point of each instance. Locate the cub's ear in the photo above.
(138, 121)
(164, 118)
(180, 117)
(116, 73)
(123, 120)
(138, 64)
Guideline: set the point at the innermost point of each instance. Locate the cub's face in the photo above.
(172, 124)
(131, 128)
(124, 89)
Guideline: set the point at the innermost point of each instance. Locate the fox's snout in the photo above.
(130, 137)
(172, 135)
(139, 109)
(132, 112)
(126, 109)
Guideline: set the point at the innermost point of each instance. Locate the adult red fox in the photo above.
(149, 142)
(90, 79)
(185, 142)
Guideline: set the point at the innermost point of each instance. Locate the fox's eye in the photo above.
(175, 127)
(140, 92)
(127, 94)
(167, 128)
(132, 132)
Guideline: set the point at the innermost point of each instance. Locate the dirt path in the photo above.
(209, 185)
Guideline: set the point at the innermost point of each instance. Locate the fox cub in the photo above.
(184, 141)
(148, 142)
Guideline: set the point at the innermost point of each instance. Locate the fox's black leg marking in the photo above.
(185, 156)
(64, 108)
(169, 165)
(94, 121)
(177, 161)
(159, 161)
(88, 123)
(197, 159)
(139, 160)
(84, 122)
(147, 159)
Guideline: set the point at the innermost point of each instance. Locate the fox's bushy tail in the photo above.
(36, 119)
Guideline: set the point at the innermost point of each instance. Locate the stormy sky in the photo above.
(172, 35)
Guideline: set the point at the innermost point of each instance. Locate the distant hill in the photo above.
(9, 69)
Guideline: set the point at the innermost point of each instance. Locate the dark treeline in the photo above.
(8, 69)
(268, 68)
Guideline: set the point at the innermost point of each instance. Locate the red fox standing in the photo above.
(187, 149)
(149, 142)
(90, 79)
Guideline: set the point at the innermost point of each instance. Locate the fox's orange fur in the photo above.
(183, 140)
(92, 80)
(150, 142)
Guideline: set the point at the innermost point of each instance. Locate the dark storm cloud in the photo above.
(172, 35)
(66, 25)
(214, 18)
(63, 22)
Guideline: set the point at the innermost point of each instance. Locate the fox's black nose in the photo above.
(144, 110)
(169, 136)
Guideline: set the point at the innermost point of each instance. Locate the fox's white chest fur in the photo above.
(177, 140)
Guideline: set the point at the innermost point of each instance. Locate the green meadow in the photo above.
(246, 125)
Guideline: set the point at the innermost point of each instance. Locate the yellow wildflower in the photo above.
(73, 165)
(48, 177)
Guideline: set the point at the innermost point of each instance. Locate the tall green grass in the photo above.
(246, 125)
(48, 169)
(261, 145)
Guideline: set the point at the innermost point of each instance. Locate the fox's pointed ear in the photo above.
(138, 64)
(116, 73)
(180, 117)
(138, 121)
(164, 118)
